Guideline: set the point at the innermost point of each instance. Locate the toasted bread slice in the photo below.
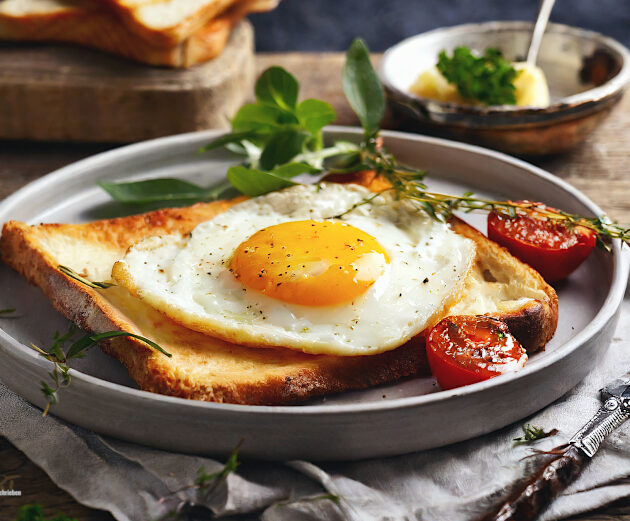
(98, 27)
(205, 368)
(168, 22)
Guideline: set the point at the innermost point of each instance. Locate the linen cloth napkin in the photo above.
(459, 482)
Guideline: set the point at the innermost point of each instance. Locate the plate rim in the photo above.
(607, 311)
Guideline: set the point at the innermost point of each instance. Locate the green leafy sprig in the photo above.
(60, 374)
(488, 79)
(532, 433)
(205, 483)
(205, 480)
(280, 138)
(90, 284)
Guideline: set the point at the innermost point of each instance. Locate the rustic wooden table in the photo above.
(599, 168)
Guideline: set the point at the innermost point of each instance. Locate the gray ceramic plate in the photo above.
(393, 419)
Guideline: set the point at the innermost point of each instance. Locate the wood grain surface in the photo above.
(63, 93)
(599, 167)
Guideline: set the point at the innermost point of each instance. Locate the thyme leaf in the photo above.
(205, 480)
(205, 483)
(60, 374)
(74, 275)
(532, 433)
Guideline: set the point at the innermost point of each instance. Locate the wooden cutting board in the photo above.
(64, 93)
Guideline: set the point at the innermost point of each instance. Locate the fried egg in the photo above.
(307, 268)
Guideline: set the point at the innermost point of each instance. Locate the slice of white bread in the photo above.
(205, 368)
(167, 22)
(91, 25)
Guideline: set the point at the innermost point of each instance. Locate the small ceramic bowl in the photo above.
(586, 73)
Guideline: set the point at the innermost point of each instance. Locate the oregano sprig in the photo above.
(60, 376)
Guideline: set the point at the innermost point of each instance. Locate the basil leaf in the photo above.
(344, 161)
(362, 87)
(262, 119)
(282, 147)
(315, 114)
(160, 189)
(292, 169)
(277, 87)
(254, 182)
(227, 139)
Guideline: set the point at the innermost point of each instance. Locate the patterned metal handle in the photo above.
(611, 415)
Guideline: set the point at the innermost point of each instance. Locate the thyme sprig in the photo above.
(90, 284)
(532, 433)
(441, 207)
(60, 375)
(205, 483)
(360, 85)
(280, 139)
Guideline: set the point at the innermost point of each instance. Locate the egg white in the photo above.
(188, 279)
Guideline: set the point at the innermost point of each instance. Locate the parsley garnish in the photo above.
(488, 79)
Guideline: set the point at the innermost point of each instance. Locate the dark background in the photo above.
(330, 25)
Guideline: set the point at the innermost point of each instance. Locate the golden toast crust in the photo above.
(305, 375)
(259, 375)
(101, 29)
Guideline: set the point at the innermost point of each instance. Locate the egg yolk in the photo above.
(312, 263)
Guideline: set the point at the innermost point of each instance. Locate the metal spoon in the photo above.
(539, 30)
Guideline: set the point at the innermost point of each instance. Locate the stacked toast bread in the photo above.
(205, 368)
(173, 33)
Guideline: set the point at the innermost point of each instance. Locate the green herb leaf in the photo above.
(156, 190)
(315, 114)
(532, 433)
(282, 148)
(289, 170)
(6, 311)
(204, 480)
(77, 349)
(74, 275)
(488, 78)
(277, 87)
(60, 375)
(363, 88)
(261, 119)
(254, 182)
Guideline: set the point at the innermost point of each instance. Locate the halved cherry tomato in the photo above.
(550, 247)
(463, 350)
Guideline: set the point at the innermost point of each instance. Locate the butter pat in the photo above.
(530, 85)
